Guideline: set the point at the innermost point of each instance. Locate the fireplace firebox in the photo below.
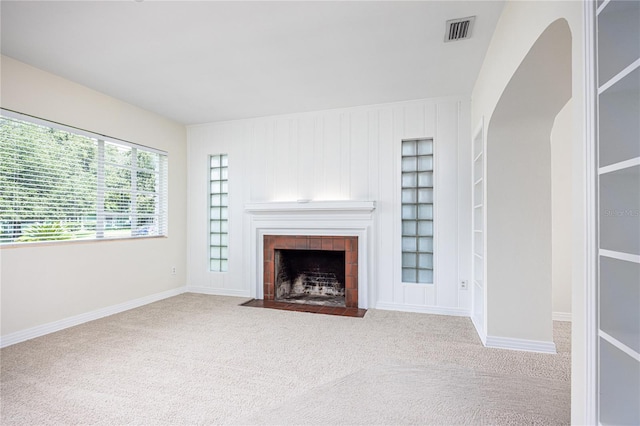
(319, 270)
(310, 276)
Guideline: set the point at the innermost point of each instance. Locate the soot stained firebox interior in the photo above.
(310, 276)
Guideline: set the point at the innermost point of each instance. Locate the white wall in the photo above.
(45, 283)
(520, 25)
(561, 213)
(519, 233)
(519, 191)
(346, 154)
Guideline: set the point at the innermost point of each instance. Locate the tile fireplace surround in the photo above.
(314, 225)
(346, 244)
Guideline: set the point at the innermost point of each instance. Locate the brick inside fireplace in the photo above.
(313, 244)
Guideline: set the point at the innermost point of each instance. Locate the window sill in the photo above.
(74, 242)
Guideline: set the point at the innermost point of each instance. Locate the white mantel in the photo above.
(308, 206)
(335, 218)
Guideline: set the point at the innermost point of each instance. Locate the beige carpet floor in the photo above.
(197, 359)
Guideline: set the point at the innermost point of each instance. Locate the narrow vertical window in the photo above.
(219, 213)
(417, 211)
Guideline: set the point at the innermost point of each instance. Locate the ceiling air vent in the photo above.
(459, 29)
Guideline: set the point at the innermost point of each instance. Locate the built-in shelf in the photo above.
(478, 246)
(619, 166)
(478, 235)
(478, 194)
(619, 385)
(620, 76)
(618, 344)
(619, 300)
(601, 4)
(617, 36)
(619, 109)
(619, 207)
(634, 258)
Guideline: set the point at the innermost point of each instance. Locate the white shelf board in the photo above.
(620, 255)
(479, 256)
(619, 166)
(602, 6)
(477, 206)
(477, 157)
(615, 342)
(478, 181)
(622, 74)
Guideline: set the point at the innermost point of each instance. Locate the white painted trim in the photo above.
(590, 208)
(480, 330)
(437, 310)
(52, 327)
(520, 344)
(561, 316)
(308, 206)
(218, 291)
(335, 221)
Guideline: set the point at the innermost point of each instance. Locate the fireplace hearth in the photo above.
(313, 270)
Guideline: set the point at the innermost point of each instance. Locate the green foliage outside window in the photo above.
(49, 186)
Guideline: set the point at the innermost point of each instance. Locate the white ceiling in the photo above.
(198, 62)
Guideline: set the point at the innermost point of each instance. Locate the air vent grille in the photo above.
(459, 29)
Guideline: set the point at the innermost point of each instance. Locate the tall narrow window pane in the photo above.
(219, 217)
(417, 211)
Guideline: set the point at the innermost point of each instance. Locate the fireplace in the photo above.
(346, 226)
(320, 270)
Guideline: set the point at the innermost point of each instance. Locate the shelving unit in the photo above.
(618, 149)
(478, 237)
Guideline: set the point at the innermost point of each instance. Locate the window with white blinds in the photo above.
(61, 183)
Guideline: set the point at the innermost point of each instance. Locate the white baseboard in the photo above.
(520, 344)
(52, 327)
(218, 291)
(561, 316)
(456, 312)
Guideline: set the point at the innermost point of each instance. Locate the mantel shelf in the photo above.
(311, 207)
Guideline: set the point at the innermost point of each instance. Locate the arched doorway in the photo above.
(518, 198)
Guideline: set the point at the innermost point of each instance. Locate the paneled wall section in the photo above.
(346, 154)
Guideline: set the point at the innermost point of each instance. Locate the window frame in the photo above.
(161, 212)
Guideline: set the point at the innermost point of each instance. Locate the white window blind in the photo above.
(61, 183)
